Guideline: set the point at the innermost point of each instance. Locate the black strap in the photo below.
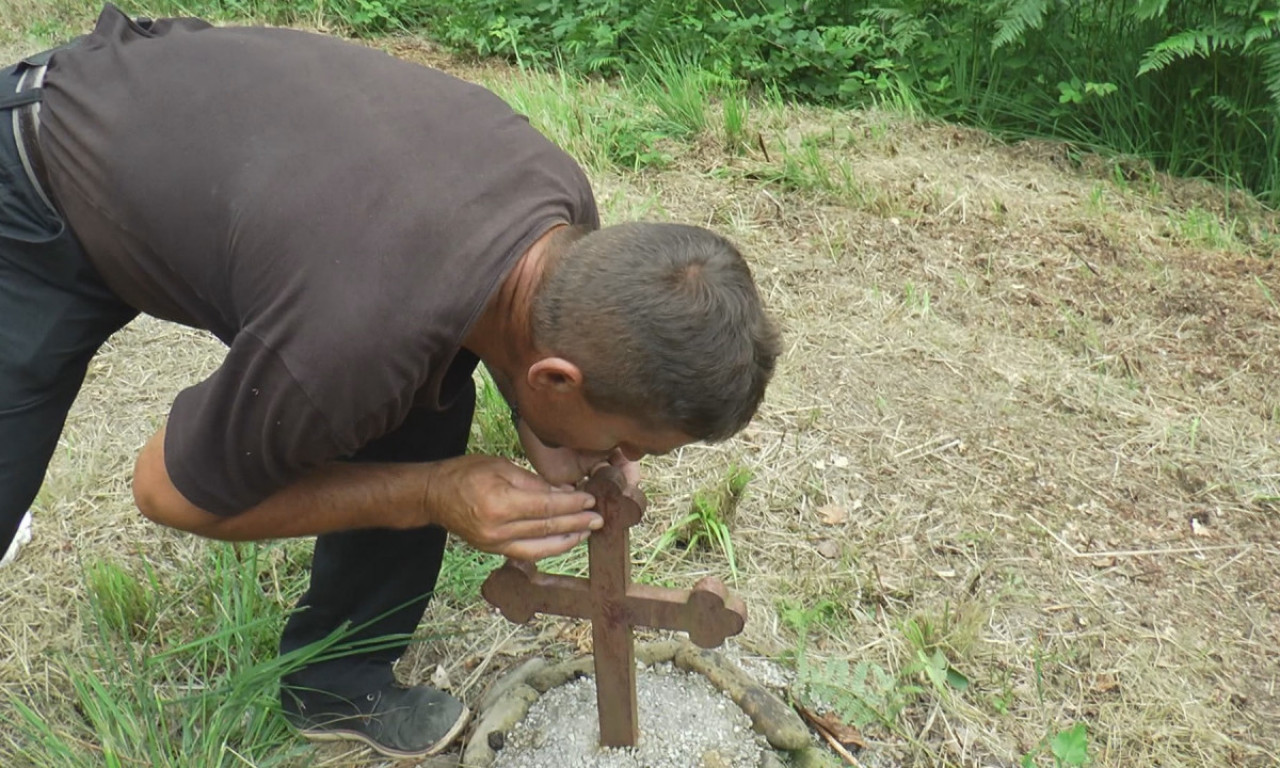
(29, 96)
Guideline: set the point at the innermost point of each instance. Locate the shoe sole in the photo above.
(338, 734)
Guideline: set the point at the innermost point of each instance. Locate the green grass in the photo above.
(680, 88)
(123, 603)
(605, 129)
(806, 169)
(492, 431)
(735, 111)
(1189, 87)
(708, 524)
(1204, 229)
(169, 681)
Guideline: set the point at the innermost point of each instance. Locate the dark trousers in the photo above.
(55, 312)
(378, 578)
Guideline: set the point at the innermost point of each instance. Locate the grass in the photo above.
(153, 689)
(709, 520)
(973, 530)
(492, 430)
(1198, 227)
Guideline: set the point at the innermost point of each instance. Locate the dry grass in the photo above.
(1026, 406)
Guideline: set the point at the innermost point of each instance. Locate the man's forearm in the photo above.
(337, 497)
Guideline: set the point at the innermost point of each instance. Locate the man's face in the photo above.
(566, 420)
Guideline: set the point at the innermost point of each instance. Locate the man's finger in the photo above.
(533, 550)
(552, 502)
(551, 527)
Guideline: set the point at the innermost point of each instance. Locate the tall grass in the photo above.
(1193, 87)
(182, 676)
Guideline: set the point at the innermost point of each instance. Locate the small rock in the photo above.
(510, 680)
(500, 717)
(497, 739)
(770, 715)
(544, 680)
(712, 759)
(813, 757)
(770, 759)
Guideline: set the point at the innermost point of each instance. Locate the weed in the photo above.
(735, 111)
(1266, 293)
(1202, 228)
(1069, 748)
(800, 617)
(916, 299)
(680, 87)
(463, 571)
(955, 629)
(707, 523)
(123, 605)
(602, 130)
(807, 170)
(862, 694)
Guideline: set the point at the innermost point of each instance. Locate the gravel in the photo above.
(685, 722)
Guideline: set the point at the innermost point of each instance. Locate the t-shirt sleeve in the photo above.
(245, 432)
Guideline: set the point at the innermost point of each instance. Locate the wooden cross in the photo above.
(614, 605)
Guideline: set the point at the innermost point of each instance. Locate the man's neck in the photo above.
(502, 337)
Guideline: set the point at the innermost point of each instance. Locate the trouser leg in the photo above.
(48, 333)
(54, 314)
(379, 577)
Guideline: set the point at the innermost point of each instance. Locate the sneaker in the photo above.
(396, 721)
(21, 538)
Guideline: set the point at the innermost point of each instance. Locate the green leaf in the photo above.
(956, 679)
(1021, 16)
(1071, 747)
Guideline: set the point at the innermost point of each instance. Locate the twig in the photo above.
(1227, 564)
(1133, 552)
(835, 744)
(954, 441)
(824, 730)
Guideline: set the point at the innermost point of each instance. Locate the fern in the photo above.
(1147, 10)
(1270, 52)
(861, 695)
(1201, 43)
(1020, 16)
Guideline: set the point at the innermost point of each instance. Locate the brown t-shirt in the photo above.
(338, 217)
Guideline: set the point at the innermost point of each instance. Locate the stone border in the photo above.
(507, 702)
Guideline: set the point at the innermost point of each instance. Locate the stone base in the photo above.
(508, 701)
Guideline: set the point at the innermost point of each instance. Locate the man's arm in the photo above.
(491, 503)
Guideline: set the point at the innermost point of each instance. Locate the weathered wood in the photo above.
(609, 553)
(614, 605)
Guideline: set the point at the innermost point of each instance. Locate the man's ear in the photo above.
(554, 375)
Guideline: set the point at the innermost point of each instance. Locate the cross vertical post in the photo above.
(609, 550)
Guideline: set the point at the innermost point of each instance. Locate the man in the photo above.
(360, 232)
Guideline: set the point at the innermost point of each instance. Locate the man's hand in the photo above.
(499, 507)
(564, 467)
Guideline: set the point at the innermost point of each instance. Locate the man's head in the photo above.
(663, 322)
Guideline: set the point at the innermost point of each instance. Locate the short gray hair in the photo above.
(665, 322)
